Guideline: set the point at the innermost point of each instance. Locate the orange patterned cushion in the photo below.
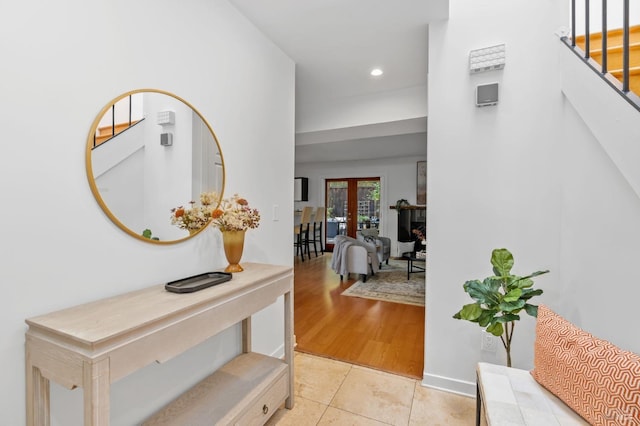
(595, 378)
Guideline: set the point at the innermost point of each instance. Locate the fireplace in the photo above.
(410, 218)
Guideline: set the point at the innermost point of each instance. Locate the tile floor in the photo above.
(329, 392)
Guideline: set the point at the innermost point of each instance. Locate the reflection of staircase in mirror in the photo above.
(105, 133)
(614, 53)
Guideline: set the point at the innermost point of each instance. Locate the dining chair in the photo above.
(301, 233)
(317, 234)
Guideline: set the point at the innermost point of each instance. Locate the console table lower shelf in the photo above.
(92, 345)
(245, 391)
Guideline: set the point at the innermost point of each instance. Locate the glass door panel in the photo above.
(368, 204)
(352, 204)
(337, 196)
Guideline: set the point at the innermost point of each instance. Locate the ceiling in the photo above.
(336, 43)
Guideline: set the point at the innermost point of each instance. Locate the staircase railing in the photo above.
(113, 122)
(601, 69)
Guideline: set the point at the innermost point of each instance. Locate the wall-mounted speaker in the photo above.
(487, 94)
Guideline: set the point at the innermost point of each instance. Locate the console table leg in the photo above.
(96, 386)
(246, 335)
(288, 345)
(478, 402)
(37, 396)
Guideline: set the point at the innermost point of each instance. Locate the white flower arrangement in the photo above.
(234, 214)
(195, 217)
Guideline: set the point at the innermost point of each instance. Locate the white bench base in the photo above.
(511, 396)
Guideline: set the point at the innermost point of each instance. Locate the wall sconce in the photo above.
(487, 59)
(166, 117)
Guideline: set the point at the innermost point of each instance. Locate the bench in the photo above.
(578, 379)
(511, 396)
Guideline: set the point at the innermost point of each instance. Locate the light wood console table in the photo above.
(95, 344)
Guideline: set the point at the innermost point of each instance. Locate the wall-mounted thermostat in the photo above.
(166, 139)
(487, 94)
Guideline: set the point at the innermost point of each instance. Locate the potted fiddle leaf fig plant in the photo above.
(499, 299)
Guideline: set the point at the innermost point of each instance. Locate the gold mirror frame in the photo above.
(91, 145)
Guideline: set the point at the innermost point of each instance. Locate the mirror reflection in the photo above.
(149, 152)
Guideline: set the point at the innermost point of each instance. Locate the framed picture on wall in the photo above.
(421, 186)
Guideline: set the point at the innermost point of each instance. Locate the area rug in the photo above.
(391, 285)
(394, 265)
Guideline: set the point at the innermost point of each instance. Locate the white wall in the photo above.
(122, 189)
(57, 247)
(600, 240)
(397, 180)
(383, 107)
(600, 203)
(166, 166)
(492, 176)
(526, 174)
(612, 120)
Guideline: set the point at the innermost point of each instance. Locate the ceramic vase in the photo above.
(233, 242)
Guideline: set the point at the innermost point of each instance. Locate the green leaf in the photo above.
(146, 233)
(513, 295)
(531, 310)
(502, 261)
(486, 317)
(511, 282)
(535, 274)
(475, 290)
(494, 283)
(507, 318)
(524, 282)
(528, 293)
(495, 329)
(512, 306)
(470, 312)
(485, 292)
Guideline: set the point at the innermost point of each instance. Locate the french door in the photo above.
(352, 204)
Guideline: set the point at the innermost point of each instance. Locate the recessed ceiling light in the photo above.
(376, 72)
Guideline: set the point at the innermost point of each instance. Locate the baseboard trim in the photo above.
(448, 384)
(278, 353)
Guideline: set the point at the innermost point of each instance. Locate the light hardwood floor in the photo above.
(381, 335)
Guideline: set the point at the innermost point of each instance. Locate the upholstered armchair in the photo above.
(383, 244)
(353, 256)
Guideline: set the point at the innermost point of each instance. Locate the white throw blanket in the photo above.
(341, 246)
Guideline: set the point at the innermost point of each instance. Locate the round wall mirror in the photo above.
(149, 153)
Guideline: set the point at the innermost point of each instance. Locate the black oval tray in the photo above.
(197, 282)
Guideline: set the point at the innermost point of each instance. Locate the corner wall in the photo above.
(62, 61)
(528, 175)
(492, 176)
